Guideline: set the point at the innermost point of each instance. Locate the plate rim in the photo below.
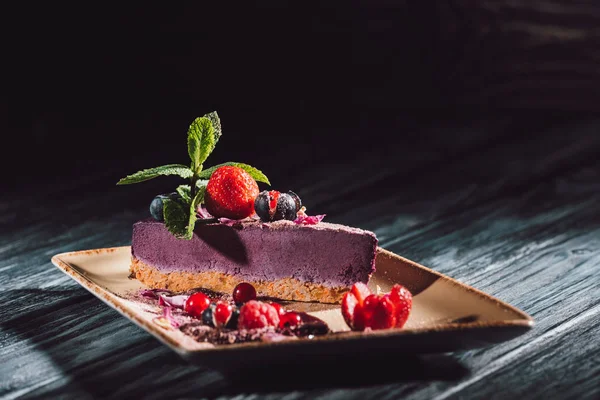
(522, 324)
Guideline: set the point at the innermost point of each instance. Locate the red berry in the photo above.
(277, 306)
(349, 303)
(290, 319)
(368, 310)
(196, 303)
(352, 306)
(243, 292)
(222, 314)
(230, 193)
(384, 314)
(256, 314)
(360, 291)
(402, 299)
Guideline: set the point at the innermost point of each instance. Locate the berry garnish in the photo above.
(402, 299)
(286, 207)
(289, 319)
(157, 204)
(271, 205)
(230, 201)
(222, 313)
(361, 309)
(233, 320)
(230, 193)
(277, 306)
(256, 314)
(243, 292)
(196, 304)
(207, 315)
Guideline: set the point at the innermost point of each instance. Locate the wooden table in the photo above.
(509, 205)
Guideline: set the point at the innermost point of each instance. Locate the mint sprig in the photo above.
(180, 213)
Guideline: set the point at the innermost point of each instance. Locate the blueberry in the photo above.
(261, 205)
(156, 206)
(273, 205)
(207, 315)
(286, 207)
(233, 320)
(296, 199)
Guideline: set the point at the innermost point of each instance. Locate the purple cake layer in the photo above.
(327, 254)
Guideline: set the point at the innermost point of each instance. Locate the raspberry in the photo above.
(402, 299)
(256, 314)
(230, 193)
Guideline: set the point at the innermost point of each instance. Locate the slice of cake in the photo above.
(218, 230)
(282, 259)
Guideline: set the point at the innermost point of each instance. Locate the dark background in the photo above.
(113, 88)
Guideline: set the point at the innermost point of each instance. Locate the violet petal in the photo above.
(309, 220)
(203, 213)
(154, 293)
(166, 320)
(227, 221)
(173, 301)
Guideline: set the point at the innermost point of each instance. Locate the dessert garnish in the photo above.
(241, 317)
(178, 209)
(272, 205)
(362, 309)
(236, 318)
(230, 193)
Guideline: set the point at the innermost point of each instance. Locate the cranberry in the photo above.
(290, 319)
(196, 304)
(222, 314)
(244, 292)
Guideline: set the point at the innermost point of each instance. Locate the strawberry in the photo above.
(352, 306)
(402, 299)
(361, 309)
(230, 193)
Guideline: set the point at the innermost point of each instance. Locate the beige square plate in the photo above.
(446, 316)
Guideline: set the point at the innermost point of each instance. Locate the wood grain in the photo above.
(516, 215)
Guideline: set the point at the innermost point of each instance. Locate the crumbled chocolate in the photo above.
(204, 333)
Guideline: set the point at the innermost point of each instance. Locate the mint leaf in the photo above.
(185, 192)
(199, 198)
(201, 142)
(207, 144)
(180, 217)
(201, 183)
(216, 123)
(193, 142)
(147, 174)
(255, 173)
(176, 218)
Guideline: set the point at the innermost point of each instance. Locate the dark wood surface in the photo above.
(509, 204)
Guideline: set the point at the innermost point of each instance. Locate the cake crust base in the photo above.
(287, 288)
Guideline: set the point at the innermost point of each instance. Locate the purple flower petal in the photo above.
(227, 221)
(309, 220)
(172, 301)
(154, 293)
(166, 320)
(203, 213)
